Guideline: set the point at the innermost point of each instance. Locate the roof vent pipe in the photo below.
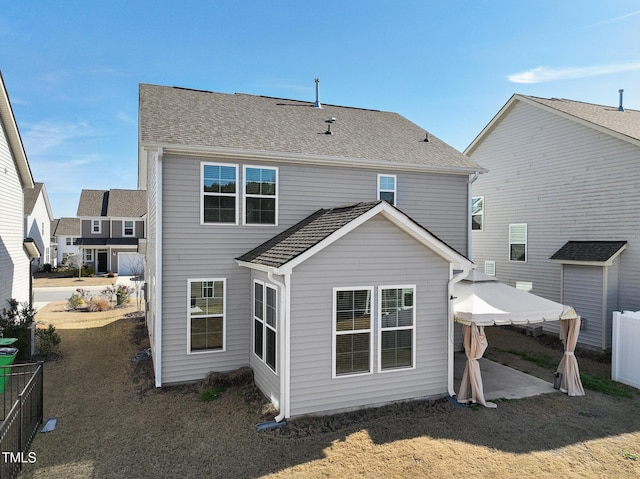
(317, 103)
(621, 108)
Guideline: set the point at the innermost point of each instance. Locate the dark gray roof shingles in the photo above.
(595, 251)
(67, 227)
(294, 241)
(31, 197)
(182, 117)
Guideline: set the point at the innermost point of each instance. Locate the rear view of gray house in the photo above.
(558, 211)
(316, 244)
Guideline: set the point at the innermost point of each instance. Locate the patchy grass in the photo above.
(606, 386)
(211, 394)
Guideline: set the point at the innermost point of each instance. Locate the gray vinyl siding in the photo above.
(265, 378)
(104, 229)
(192, 250)
(566, 182)
(375, 254)
(14, 264)
(583, 287)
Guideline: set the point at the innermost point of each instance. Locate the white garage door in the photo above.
(128, 263)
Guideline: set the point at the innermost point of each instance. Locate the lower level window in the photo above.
(397, 319)
(207, 308)
(264, 323)
(352, 326)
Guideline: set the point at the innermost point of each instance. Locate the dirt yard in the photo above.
(112, 422)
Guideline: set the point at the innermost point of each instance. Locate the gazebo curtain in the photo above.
(475, 343)
(568, 368)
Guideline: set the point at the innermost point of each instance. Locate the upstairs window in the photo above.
(96, 226)
(477, 213)
(518, 242)
(387, 188)
(128, 228)
(68, 241)
(219, 193)
(260, 196)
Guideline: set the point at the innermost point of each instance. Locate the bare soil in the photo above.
(45, 280)
(113, 422)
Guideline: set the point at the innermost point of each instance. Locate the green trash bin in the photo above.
(7, 356)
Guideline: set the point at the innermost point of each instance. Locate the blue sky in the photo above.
(72, 68)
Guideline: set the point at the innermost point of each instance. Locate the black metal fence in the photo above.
(22, 414)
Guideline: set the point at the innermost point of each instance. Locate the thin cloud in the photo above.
(615, 19)
(45, 136)
(544, 74)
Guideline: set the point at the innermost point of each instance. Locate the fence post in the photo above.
(615, 347)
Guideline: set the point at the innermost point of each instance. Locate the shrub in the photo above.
(121, 292)
(47, 340)
(16, 322)
(75, 301)
(47, 268)
(99, 304)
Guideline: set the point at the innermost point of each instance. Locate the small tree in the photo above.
(75, 261)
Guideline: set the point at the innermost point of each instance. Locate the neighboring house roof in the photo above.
(323, 227)
(67, 227)
(265, 127)
(13, 137)
(591, 252)
(31, 196)
(608, 119)
(112, 203)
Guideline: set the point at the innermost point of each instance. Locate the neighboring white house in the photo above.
(317, 244)
(558, 211)
(37, 222)
(66, 232)
(15, 177)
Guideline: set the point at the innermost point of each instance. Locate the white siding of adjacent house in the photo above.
(38, 227)
(14, 264)
(566, 182)
(151, 263)
(374, 254)
(192, 250)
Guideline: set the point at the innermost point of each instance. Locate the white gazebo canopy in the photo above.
(485, 301)
(481, 300)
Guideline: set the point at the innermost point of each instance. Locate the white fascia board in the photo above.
(306, 159)
(258, 267)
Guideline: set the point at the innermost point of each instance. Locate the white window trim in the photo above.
(88, 255)
(68, 241)
(133, 234)
(245, 195)
(336, 333)
(380, 329)
(264, 323)
(526, 242)
(224, 316)
(99, 227)
(202, 193)
(478, 214)
(394, 191)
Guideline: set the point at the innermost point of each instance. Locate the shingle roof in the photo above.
(588, 251)
(291, 243)
(192, 118)
(625, 122)
(67, 227)
(113, 203)
(31, 197)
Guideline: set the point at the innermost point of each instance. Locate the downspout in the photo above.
(450, 317)
(283, 349)
(472, 178)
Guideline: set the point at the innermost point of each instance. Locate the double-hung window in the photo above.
(206, 313)
(397, 319)
(518, 242)
(219, 193)
(128, 228)
(260, 195)
(387, 188)
(477, 213)
(96, 226)
(265, 323)
(68, 241)
(352, 331)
